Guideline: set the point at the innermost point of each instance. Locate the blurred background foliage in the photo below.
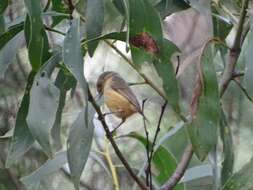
(188, 24)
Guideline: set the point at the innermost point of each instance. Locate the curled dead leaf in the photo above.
(145, 41)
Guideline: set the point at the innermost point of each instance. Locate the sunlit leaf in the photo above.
(8, 52)
(33, 180)
(43, 106)
(22, 139)
(94, 23)
(79, 144)
(205, 107)
(241, 180)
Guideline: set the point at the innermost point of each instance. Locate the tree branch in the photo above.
(113, 143)
(234, 51)
(180, 170)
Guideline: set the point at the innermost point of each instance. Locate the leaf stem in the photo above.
(113, 143)
(111, 166)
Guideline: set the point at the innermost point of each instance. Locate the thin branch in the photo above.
(148, 169)
(47, 6)
(243, 90)
(234, 51)
(71, 8)
(180, 170)
(113, 143)
(238, 74)
(147, 80)
(82, 184)
(54, 30)
(157, 129)
(136, 83)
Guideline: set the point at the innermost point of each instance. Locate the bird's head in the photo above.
(102, 80)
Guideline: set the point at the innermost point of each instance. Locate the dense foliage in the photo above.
(198, 98)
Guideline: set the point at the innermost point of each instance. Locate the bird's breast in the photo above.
(118, 104)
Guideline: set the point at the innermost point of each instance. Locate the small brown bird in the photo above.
(118, 97)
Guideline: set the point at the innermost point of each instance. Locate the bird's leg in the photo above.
(122, 121)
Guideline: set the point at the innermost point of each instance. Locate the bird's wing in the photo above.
(120, 85)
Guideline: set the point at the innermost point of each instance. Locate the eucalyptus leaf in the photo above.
(63, 82)
(94, 23)
(22, 138)
(228, 152)
(163, 160)
(9, 51)
(72, 54)
(248, 60)
(165, 70)
(59, 6)
(79, 144)
(203, 129)
(241, 180)
(167, 7)
(3, 6)
(33, 180)
(37, 36)
(43, 106)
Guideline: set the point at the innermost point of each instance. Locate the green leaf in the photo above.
(2, 24)
(228, 152)
(63, 82)
(241, 180)
(248, 79)
(10, 33)
(59, 6)
(79, 144)
(165, 70)
(32, 181)
(38, 43)
(144, 22)
(163, 161)
(9, 51)
(94, 23)
(43, 105)
(22, 139)
(205, 107)
(167, 7)
(72, 55)
(3, 6)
